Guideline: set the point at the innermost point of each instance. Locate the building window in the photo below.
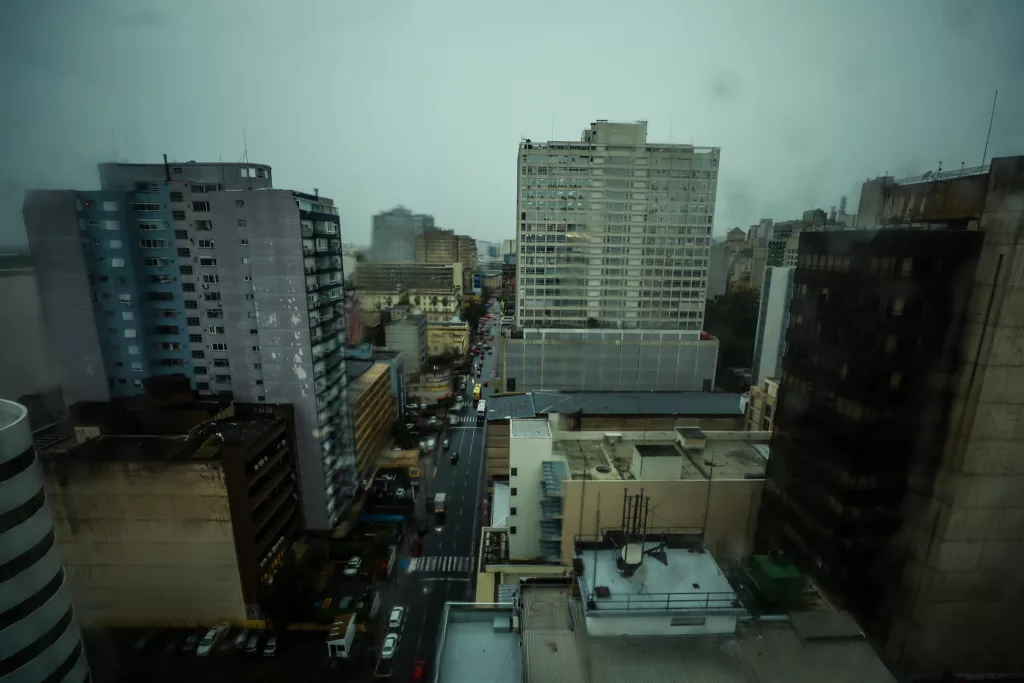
(219, 346)
(181, 234)
(188, 287)
(894, 380)
(215, 314)
(212, 296)
(254, 331)
(178, 215)
(211, 279)
(130, 333)
(205, 244)
(136, 367)
(247, 278)
(200, 206)
(202, 386)
(241, 222)
(243, 243)
(512, 511)
(257, 366)
(185, 252)
(133, 350)
(513, 491)
(215, 330)
(115, 244)
(191, 304)
(196, 339)
(152, 244)
(184, 270)
(221, 363)
(177, 170)
(256, 349)
(223, 379)
(177, 197)
(200, 369)
(204, 225)
(207, 261)
(514, 471)
(512, 530)
(239, 203)
(245, 259)
(127, 315)
(117, 263)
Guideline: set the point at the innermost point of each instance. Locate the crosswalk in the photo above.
(466, 419)
(440, 564)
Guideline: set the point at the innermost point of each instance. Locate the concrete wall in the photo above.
(772, 321)
(608, 361)
(526, 455)
(146, 544)
(731, 516)
(25, 359)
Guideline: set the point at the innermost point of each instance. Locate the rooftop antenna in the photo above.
(991, 117)
(245, 147)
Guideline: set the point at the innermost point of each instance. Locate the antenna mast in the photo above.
(991, 117)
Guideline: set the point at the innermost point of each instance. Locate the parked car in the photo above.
(352, 566)
(190, 642)
(254, 643)
(241, 639)
(271, 648)
(419, 671)
(395, 620)
(209, 640)
(446, 443)
(390, 645)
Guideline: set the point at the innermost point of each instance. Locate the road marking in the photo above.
(435, 471)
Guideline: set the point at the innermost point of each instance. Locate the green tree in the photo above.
(732, 318)
(476, 311)
(289, 597)
(403, 436)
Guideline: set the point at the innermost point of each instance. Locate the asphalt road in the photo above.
(444, 571)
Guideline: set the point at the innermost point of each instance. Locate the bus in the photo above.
(481, 411)
(477, 388)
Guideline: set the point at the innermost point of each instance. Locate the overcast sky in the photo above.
(422, 102)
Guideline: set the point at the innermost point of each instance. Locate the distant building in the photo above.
(174, 515)
(736, 240)
(374, 412)
(508, 247)
(436, 245)
(758, 262)
(40, 639)
(561, 232)
(439, 304)
(781, 232)
(394, 234)
(406, 332)
(772, 322)
(203, 270)
(508, 280)
(25, 363)
(719, 259)
(448, 338)
(388, 276)
(607, 360)
(760, 416)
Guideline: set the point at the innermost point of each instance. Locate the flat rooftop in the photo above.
(693, 579)
(558, 649)
(530, 429)
(726, 455)
(477, 644)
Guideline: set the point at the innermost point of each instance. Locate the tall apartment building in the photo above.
(204, 270)
(40, 639)
(395, 232)
(614, 231)
(467, 259)
(377, 276)
(772, 321)
(895, 472)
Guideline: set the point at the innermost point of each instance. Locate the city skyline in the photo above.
(800, 127)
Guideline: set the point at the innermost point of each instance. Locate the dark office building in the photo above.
(869, 377)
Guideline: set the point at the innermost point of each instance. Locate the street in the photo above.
(444, 572)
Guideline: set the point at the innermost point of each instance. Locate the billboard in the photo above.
(478, 283)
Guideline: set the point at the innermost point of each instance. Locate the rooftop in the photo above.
(201, 444)
(477, 638)
(557, 648)
(530, 429)
(725, 455)
(696, 403)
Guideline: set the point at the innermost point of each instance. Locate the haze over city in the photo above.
(422, 104)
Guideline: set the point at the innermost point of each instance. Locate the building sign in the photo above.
(478, 283)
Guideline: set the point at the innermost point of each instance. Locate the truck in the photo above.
(439, 504)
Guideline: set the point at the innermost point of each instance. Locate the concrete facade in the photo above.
(406, 332)
(772, 321)
(25, 358)
(598, 360)
(40, 638)
(613, 230)
(394, 234)
(962, 586)
(448, 337)
(374, 411)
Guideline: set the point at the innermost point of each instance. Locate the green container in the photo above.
(776, 579)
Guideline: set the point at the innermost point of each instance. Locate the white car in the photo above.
(395, 620)
(352, 566)
(390, 644)
(211, 638)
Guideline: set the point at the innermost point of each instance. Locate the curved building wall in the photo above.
(39, 636)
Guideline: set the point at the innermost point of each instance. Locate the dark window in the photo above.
(254, 331)
(177, 197)
(193, 322)
(184, 270)
(161, 296)
(178, 215)
(204, 225)
(513, 490)
(188, 287)
(196, 339)
(512, 511)
(200, 369)
(241, 222)
(239, 203)
(190, 303)
(202, 386)
(512, 530)
(186, 252)
(200, 206)
(514, 471)
(181, 234)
